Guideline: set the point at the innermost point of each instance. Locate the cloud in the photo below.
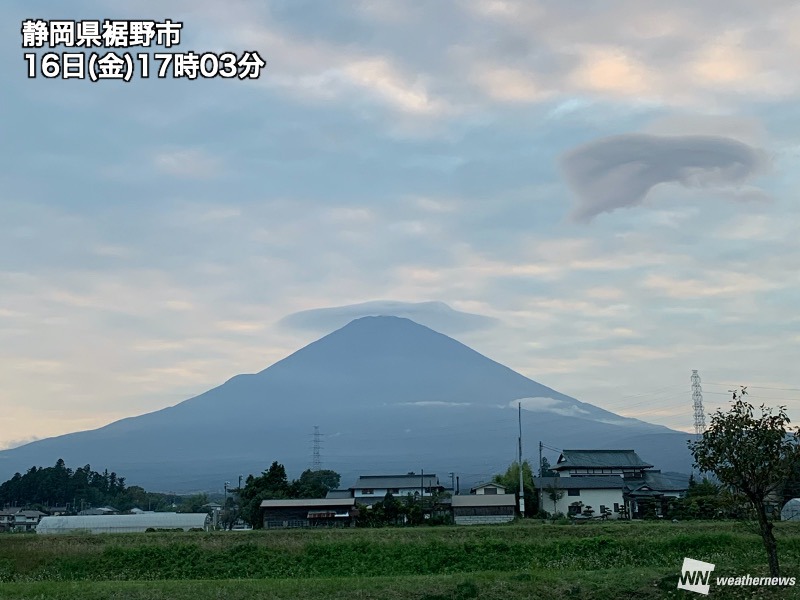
(541, 404)
(437, 315)
(435, 403)
(192, 163)
(8, 444)
(620, 171)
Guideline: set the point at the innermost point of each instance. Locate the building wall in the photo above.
(583, 472)
(379, 493)
(289, 517)
(482, 490)
(591, 497)
(483, 519)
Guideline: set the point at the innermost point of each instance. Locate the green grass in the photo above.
(594, 560)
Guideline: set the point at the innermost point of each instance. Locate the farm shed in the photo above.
(317, 512)
(483, 509)
(791, 510)
(124, 523)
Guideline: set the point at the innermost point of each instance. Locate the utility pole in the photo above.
(227, 483)
(521, 483)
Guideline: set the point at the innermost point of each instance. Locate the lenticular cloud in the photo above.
(619, 171)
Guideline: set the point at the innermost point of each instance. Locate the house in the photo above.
(7, 519)
(15, 519)
(27, 520)
(483, 509)
(56, 511)
(488, 488)
(649, 494)
(339, 494)
(103, 510)
(645, 491)
(315, 512)
(572, 495)
(591, 463)
(124, 523)
(373, 488)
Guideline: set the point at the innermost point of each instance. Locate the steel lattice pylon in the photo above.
(697, 400)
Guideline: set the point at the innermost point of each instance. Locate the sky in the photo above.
(599, 195)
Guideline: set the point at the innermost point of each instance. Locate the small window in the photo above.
(573, 510)
(394, 490)
(573, 492)
(367, 491)
(490, 490)
(616, 507)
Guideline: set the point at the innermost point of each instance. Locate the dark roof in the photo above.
(339, 494)
(310, 503)
(607, 482)
(396, 481)
(594, 459)
(31, 513)
(645, 491)
(656, 480)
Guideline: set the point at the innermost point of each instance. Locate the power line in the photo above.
(758, 387)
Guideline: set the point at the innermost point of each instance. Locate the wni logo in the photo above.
(695, 576)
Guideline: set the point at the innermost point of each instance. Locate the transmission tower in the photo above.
(316, 462)
(697, 399)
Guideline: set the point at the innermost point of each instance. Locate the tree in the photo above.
(272, 484)
(510, 479)
(754, 455)
(555, 494)
(545, 470)
(314, 484)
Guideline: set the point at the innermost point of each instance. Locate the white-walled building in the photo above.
(490, 488)
(593, 476)
(574, 494)
(373, 488)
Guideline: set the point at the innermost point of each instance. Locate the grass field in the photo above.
(530, 560)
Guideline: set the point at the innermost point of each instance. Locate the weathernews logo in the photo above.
(696, 577)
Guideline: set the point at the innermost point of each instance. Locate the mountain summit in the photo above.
(389, 395)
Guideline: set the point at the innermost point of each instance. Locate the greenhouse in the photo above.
(791, 510)
(124, 523)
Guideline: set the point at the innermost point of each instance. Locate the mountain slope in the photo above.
(390, 395)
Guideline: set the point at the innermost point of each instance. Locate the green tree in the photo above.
(554, 493)
(272, 484)
(193, 504)
(314, 484)
(754, 455)
(545, 470)
(510, 480)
